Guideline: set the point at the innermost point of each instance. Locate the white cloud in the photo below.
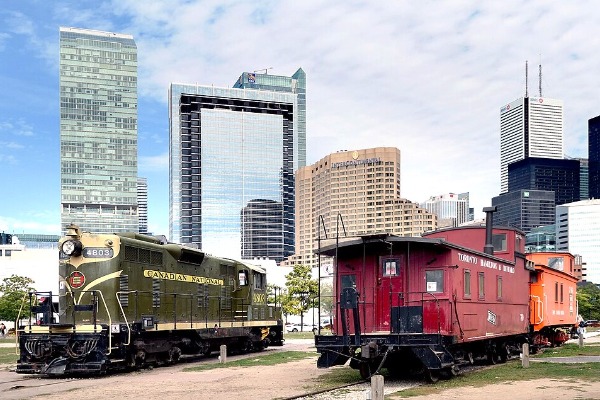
(153, 163)
(426, 77)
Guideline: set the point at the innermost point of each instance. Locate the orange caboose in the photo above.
(553, 302)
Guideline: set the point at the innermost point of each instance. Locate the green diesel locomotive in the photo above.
(130, 300)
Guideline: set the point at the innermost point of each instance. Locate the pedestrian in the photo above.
(581, 328)
(2, 329)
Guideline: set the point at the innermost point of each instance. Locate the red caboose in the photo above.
(429, 303)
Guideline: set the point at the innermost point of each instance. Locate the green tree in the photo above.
(302, 291)
(588, 297)
(12, 291)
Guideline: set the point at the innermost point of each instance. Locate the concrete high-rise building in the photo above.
(451, 209)
(578, 232)
(524, 209)
(280, 83)
(560, 176)
(98, 130)
(594, 157)
(142, 196)
(529, 127)
(233, 154)
(353, 193)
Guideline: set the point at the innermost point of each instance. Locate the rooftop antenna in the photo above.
(526, 80)
(541, 75)
(266, 70)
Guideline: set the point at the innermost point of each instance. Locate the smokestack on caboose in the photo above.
(488, 248)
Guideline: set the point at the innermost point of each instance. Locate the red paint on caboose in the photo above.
(436, 286)
(439, 299)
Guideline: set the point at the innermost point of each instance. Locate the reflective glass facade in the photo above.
(98, 130)
(232, 161)
(279, 83)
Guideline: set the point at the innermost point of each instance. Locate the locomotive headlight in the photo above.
(71, 248)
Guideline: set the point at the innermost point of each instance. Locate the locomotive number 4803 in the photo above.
(97, 252)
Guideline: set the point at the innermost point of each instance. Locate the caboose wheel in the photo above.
(365, 370)
(492, 357)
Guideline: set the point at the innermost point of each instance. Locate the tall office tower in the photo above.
(98, 130)
(451, 209)
(232, 163)
(578, 232)
(560, 176)
(529, 127)
(352, 193)
(584, 178)
(524, 209)
(594, 157)
(142, 196)
(279, 83)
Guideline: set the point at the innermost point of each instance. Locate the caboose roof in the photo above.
(349, 247)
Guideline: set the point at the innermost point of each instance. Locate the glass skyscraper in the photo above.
(98, 130)
(233, 153)
(280, 83)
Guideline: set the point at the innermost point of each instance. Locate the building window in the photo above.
(467, 284)
(435, 281)
(481, 280)
(499, 287)
(390, 267)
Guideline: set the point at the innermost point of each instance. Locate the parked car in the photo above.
(592, 323)
(326, 323)
(300, 328)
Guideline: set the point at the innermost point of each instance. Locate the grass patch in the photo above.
(512, 371)
(569, 350)
(275, 358)
(8, 355)
(299, 335)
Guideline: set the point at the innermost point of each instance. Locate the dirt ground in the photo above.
(260, 382)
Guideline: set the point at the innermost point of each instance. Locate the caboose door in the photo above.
(389, 287)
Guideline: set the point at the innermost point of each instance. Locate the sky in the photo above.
(427, 77)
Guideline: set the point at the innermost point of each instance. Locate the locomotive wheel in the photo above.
(431, 376)
(174, 354)
(448, 373)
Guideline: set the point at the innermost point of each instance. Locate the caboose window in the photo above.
(561, 292)
(499, 241)
(467, 280)
(348, 281)
(556, 292)
(499, 287)
(481, 279)
(390, 267)
(435, 281)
